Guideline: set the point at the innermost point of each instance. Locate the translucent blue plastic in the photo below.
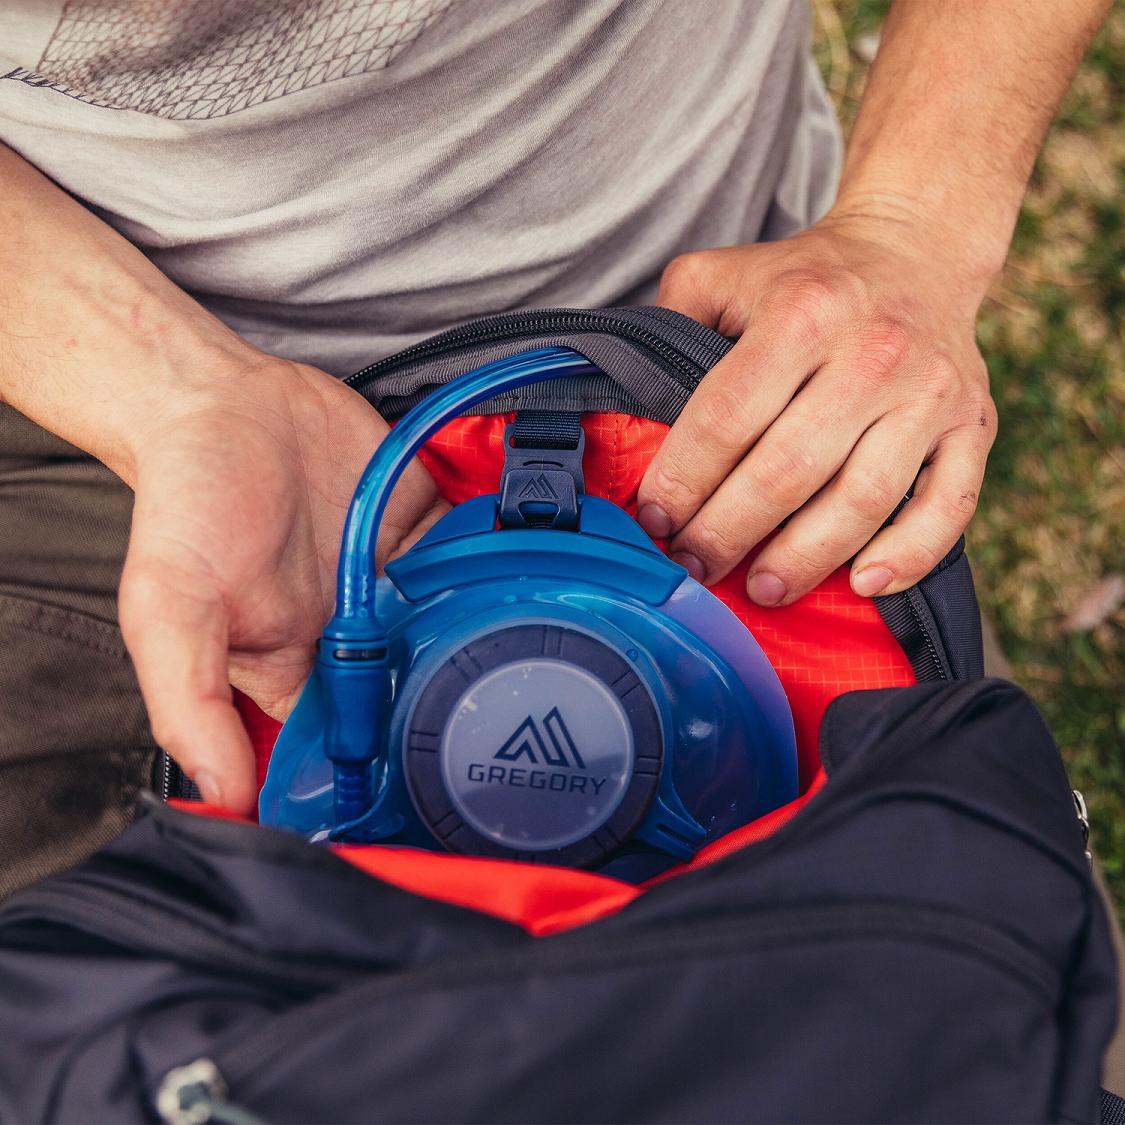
(726, 728)
(355, 576)
(730, 730)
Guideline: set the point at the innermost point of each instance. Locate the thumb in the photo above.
(415, 506)
(691, 284)
(174, 624)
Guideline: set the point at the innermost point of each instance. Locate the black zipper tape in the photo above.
(170, 783)
(912, 623)
(643, 327)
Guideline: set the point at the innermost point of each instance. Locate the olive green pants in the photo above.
(75, 747)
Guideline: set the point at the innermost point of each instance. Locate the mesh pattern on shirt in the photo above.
(208, 58)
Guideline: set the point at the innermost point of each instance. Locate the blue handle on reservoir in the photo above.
(355, 583)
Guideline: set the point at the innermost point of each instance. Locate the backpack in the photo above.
(916, 938)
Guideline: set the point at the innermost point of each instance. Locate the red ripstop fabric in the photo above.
(829, 642)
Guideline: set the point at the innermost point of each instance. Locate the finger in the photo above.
(696, 285)
(843, 516)
(728, 412)
(175, 628)
(355, 431)
(803, 449)
(414, 506)
(923, 533)
(392, 546)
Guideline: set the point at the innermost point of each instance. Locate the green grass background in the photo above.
(1051, 521)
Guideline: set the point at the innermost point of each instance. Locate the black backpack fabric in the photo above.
(921, 942)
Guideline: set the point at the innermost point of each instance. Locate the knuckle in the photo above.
(672, 490)
(914, 560)
(782, 472)
(884, 345)
(981, 413)
(164, 731)
(801, 566)
(721, 419)
(871, 493)
(942, 381)
(956, 506)
(684, 273)
(716, 539)
(140, 593)
(809, 302)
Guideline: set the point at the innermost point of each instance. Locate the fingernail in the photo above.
(655, 520)
(209, 787)
(691, 564)
(870, 580)
(765, 588)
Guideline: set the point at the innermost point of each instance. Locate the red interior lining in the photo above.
(829, 642)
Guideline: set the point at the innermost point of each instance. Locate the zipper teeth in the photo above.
(930, 647)
(686, 371)
(716, 937)
(167, 767)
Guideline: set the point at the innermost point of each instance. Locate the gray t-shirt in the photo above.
(337, 178)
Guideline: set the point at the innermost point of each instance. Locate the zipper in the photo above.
(929, 659)
(927, 639)
(170, 782)
(196, 1095)
(686, 371)
(761, 929)
(909, 626)
(171, 777)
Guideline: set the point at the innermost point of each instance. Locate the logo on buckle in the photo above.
(538, 488)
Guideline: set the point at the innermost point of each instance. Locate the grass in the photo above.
(1051, 521)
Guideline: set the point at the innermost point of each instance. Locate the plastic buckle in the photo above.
(541, 487)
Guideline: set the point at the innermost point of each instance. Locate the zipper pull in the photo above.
(1084, 821)
(197, 1095)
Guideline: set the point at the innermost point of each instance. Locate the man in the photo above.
(248, 196)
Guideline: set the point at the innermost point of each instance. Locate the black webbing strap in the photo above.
(542, 478)
(1112, 1109)
(547, 429)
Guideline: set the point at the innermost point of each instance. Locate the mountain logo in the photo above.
(527, 741)
(538, 488)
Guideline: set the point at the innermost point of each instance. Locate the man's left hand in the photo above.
(856, 376)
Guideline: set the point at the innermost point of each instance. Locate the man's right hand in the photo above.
(241, 493)
(243, 467)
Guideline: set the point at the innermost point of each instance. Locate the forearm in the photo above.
(93, 337)
(955, 109)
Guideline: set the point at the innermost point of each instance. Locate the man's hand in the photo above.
(857, 364)
(243, 466)
(856, 368)
(241, 492)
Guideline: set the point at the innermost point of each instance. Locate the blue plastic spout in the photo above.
(354, 686)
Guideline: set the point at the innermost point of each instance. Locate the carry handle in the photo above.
(355, 581)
